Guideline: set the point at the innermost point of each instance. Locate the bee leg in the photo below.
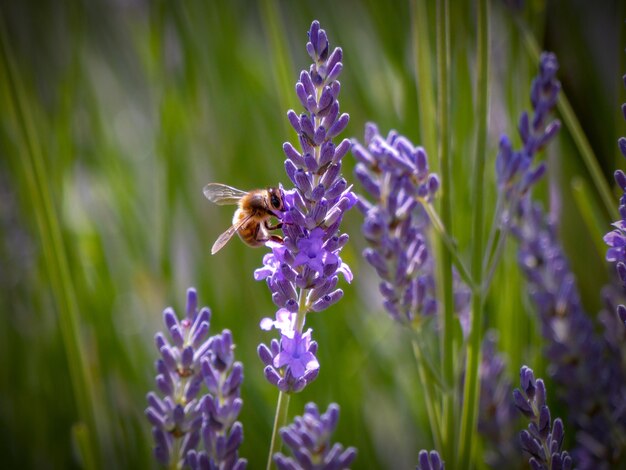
(273, 227)
(276, 238)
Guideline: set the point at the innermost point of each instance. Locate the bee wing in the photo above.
(228, 234)
(222, 194)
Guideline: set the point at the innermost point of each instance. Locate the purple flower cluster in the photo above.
(180, 418)
(616, 239)
(429, 461)
(514, 169)
(302, 272)
(396, 176)
(308, 438)
(221, 433)
(590, 379)
(543, 438)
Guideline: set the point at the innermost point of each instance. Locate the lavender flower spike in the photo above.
(302, 272)
(308, 438)
(616, 239)
(221, 433)
(514, 169)
(544, 438)
(176, 416)
(396, 176)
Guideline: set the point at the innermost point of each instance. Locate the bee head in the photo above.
(275, 199)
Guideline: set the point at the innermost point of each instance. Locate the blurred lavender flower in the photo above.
(497, 419)
(514, 170)
(308, 438)
(544, 438)
(302, 272)
(590, 380)
(429, 461)
(616, 239)
(177, 418)
(221, 433)
(180, 418)
(396, 176)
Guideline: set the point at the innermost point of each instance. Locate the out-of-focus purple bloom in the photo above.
(396, 176)
(590, 379)
(180, 418)
(514, 168)
(497, 419)
(543, 438)
(429, 461)
(221, 433)
(176, 417)
(302, 272)
(309, 440)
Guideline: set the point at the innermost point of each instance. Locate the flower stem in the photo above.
(471, 390)
(431, 408)
(280, 420)
(448, 348)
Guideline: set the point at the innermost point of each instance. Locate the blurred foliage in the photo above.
(129, 107)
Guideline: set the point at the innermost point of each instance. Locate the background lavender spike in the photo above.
(514, 168)
(176, 415)
(303, 271)
(396, 176)
(309, 440)
(221, 433)
(543, 438)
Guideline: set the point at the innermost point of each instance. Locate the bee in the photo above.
(252, 218)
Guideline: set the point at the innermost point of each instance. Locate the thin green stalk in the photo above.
(431, 408)
(423, 70)
(471, 390)
(450, 244)
(283, 69)
(448, 348)
(577, 133)
(32, 164)
(589, 213)
(280, 420)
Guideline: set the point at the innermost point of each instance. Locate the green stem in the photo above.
(450, 245)
(280, 420)
(423, 72)
(577, 133)
(448, 348)
(431, 409)
(471, 390)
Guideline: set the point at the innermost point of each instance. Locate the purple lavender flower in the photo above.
(180, 419)
(177, 417)
(395, 174)
(302, 272)
(514, 169)
(221, 433)
(616, 239)
(308, 439)
(590, 380)
(429, 461)
(544, 438)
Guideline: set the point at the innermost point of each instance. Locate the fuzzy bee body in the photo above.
(252, 217)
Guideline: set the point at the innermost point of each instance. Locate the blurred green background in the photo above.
(114, 116)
